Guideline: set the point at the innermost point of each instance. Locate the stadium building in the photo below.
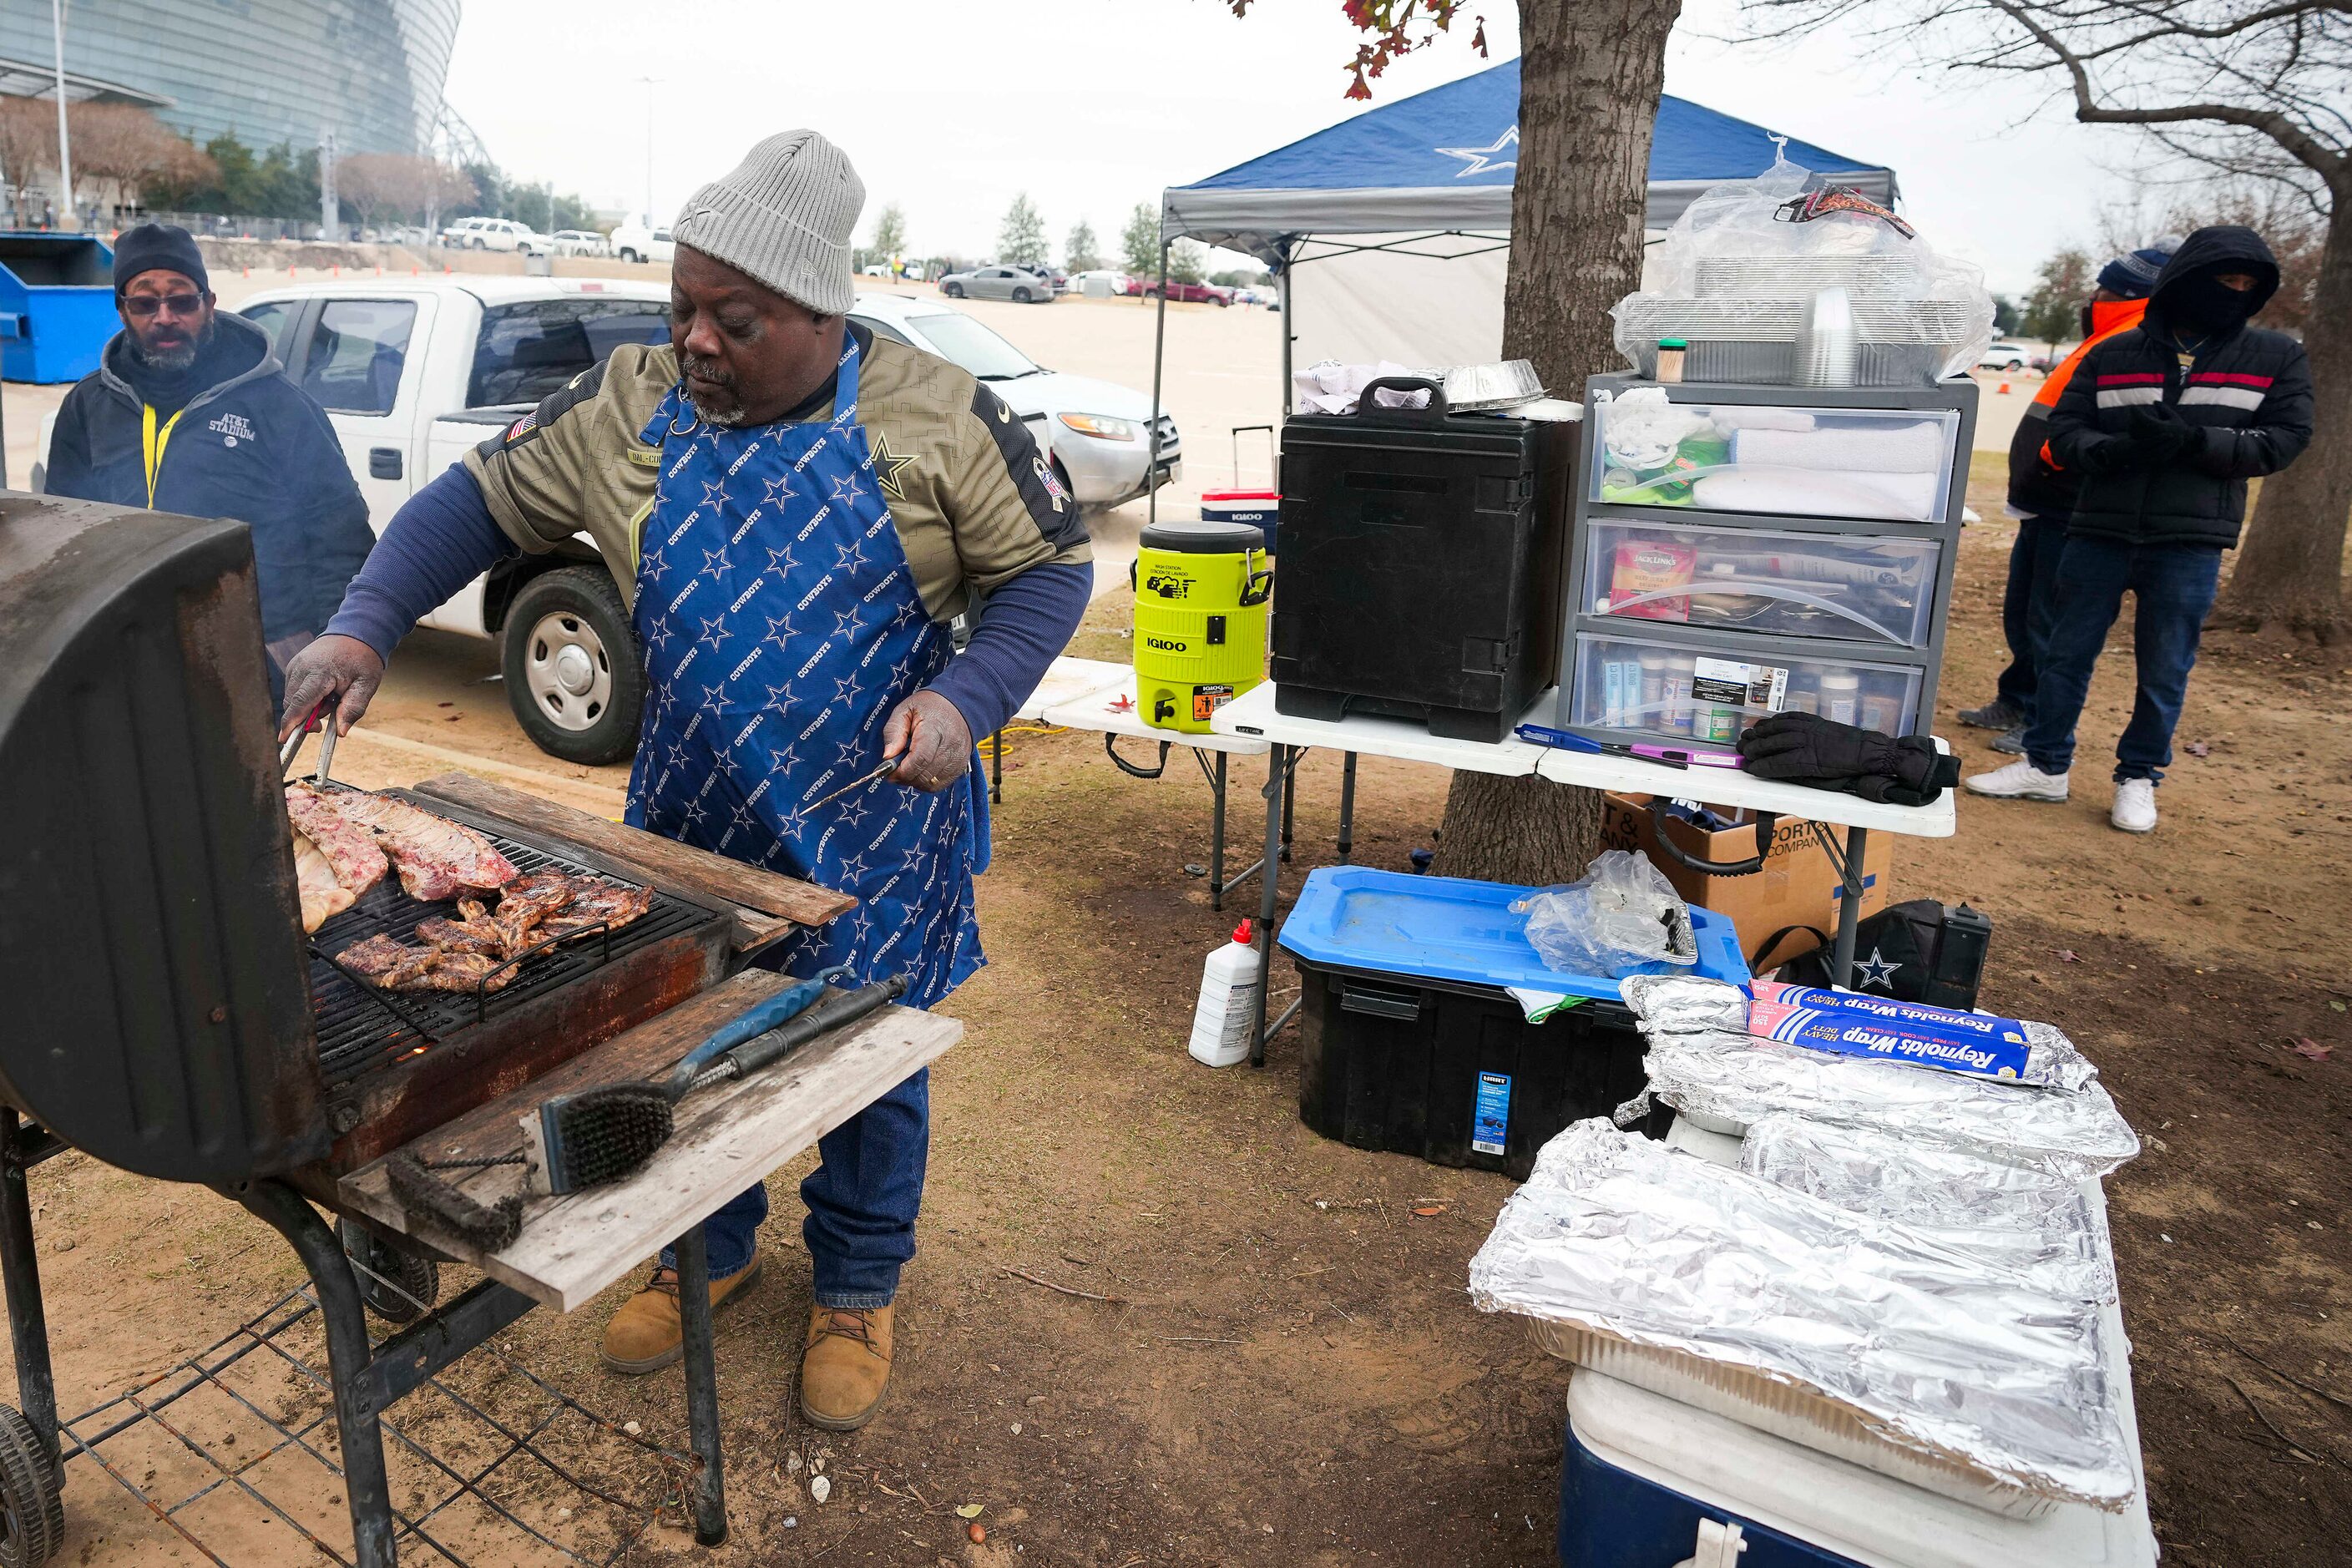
(265, 70)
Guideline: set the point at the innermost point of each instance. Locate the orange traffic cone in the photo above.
(2003, 392)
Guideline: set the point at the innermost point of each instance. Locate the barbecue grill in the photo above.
(170, 1017)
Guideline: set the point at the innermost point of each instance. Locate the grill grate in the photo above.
(361, 1028)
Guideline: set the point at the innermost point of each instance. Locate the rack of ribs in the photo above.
(436, 858)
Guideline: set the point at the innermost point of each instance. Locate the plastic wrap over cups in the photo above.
(2031, 1223)
(1929, 1348)
(1702, 1060)
(1739, 273)
(1623, 918)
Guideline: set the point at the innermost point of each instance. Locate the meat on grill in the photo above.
(436, 858)
(323, 897)
(387, 961)
(473, 932)
(396, 966)
(350, 849)
(607, 903)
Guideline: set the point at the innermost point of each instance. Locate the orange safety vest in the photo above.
(2108, 317)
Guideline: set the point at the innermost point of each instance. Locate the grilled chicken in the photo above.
(323, 897)
(436, 858)
(455, 970)
(387, 961)
(349, 848)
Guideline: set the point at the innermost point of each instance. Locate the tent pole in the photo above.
(1290, 302)
(1158, 353)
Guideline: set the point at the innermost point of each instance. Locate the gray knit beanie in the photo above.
(783, 217)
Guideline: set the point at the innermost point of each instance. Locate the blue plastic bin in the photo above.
(1410, 1042)
(57, 305)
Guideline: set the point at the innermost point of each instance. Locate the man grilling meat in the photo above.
(797, 510)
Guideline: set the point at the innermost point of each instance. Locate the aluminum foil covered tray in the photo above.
(1703, 1062)
(1924, 1348)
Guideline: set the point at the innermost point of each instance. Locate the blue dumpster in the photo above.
(57, 305)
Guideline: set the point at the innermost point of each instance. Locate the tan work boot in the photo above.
(847, 1366)
(647, 1335)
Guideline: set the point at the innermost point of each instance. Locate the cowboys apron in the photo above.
(780, 626)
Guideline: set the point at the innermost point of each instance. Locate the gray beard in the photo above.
(171, 362)
(725, 418)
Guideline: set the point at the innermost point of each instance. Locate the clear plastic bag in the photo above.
(1733, 275)
(1623, 918)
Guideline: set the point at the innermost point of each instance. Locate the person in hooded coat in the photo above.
(2165, 423)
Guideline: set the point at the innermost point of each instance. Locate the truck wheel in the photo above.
(572, 674)
(628, 255)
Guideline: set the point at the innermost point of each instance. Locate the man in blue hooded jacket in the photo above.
(190, 412)
(2165, 423)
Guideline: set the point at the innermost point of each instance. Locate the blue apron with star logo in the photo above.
(781, 625)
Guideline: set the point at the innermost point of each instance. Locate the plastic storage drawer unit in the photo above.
(1423, 565)
(1410, 1042)
(1707, 695)
(1891, 464)
(1840, 587)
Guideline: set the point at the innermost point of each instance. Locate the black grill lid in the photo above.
(154, 1007)
(1204, 538)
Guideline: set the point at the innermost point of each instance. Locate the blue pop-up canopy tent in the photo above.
(1445, 159)
(1406, 209)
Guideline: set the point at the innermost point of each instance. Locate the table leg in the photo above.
(1848, 907)
(710, 1498)
(1276, 791)
(1347, 807)
(996, 768)
(1217, 837)
(1289, 800)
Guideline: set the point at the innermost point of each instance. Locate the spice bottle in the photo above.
(1670, 359)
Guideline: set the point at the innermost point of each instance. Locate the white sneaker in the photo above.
(2020, 780)
(2134, 807)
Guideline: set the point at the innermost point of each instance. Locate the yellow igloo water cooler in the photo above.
(1201, 590)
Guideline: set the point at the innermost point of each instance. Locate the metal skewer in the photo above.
(876, 776)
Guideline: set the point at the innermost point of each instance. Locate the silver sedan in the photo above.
(1012, 283)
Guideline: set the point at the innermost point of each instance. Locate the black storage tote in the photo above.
(1423, 565)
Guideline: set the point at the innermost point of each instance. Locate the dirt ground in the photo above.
(1260, 1350)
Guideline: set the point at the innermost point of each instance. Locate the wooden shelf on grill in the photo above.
(766, 905)
(727, 1137)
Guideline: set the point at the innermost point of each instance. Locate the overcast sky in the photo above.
(1091, 106)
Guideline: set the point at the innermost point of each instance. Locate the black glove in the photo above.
(2158, 434)
(1821, 754)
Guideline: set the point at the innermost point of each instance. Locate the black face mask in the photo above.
(2205, 304)
(2087, 328)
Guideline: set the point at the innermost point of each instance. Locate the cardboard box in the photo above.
(1798, 886)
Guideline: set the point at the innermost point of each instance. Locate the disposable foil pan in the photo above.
(1704, 1063)
(1921, 1348)
(1803, 1415)
(1503, 384)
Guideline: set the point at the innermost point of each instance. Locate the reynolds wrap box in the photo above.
(1857, 1025)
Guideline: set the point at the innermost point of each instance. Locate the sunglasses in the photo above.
(148, 304)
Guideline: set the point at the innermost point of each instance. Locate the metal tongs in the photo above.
(326, 744)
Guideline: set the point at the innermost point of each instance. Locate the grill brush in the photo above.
(602, 1134)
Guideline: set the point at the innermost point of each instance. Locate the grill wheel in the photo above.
(419, 1278)
(32, 1517)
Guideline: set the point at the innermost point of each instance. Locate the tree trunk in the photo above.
(2290, 570)
(1590, 76)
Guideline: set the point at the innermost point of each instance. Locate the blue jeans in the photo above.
(2028, 605)
(862, 1200)
(2173, 585)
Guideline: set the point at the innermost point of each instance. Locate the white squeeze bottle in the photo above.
(1228, 1006)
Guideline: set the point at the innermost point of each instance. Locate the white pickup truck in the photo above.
(412, 373)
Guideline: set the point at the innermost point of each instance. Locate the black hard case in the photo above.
(1423, 565)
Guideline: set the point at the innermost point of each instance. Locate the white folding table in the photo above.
(1112, 712)
(1252, 715)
